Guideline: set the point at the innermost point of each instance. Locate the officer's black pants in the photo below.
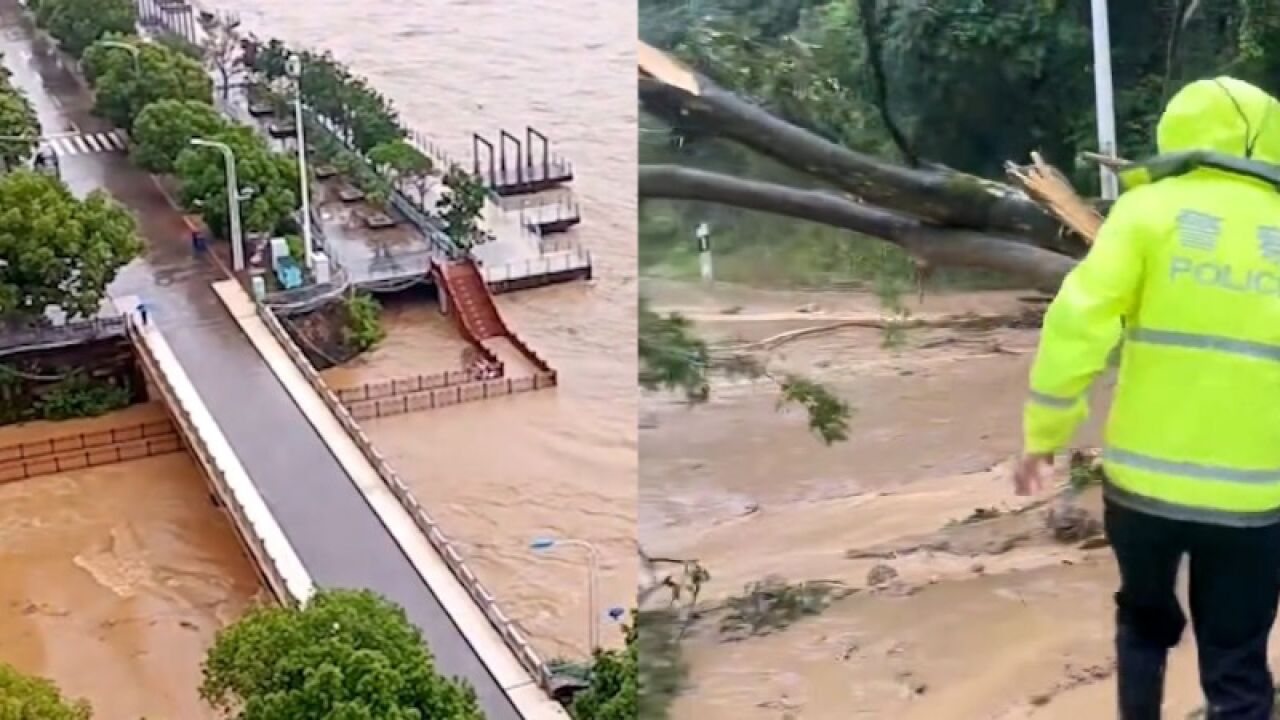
(1234, 586)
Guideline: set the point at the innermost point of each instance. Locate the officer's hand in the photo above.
(1033, 473)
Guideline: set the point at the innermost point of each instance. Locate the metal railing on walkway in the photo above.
(511, 635)
(37, 337)
(256, 527)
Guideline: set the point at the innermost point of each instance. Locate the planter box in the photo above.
(379, 221)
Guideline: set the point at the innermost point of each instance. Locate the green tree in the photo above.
(906, 92)
(366, 116)
(29, 698)
(613, 688)
(17, 120)
(345, 654)
(269, 60)
(164, 129)
(405, 165)
(461, 205)
(56, 249)
(270, 179)
(77, 24)
(122, 89)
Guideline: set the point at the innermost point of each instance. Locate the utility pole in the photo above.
(1104, 96)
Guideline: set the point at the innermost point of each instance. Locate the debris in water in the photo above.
(1071, 523)
(881, 574)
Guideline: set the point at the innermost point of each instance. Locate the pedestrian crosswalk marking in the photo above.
(88, 143)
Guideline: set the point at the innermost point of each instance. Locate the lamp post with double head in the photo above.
(233, 199)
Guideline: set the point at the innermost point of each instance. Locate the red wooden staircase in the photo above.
(471, 305)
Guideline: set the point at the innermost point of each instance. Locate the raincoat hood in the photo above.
(1222, 115)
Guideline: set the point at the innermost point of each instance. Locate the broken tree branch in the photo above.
(686, 99)
(933, 245)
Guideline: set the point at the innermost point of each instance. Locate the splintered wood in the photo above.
(1051, 189)
(662, 67)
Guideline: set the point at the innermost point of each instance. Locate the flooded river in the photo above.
(561, 462)
(989, 616)
(116, 579)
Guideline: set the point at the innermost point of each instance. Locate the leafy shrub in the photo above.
(79, 396)
(364, 326)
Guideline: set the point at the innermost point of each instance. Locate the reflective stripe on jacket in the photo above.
(1187, 270)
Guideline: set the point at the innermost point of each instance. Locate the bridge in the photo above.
(312, 500)
(314, 504)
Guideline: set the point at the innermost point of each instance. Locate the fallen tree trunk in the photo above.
(933, 245)
(939, 196)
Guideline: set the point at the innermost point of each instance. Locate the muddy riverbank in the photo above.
(116, 579)
(984, 613)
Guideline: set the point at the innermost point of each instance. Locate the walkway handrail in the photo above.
(77, 331)
(266, 542)
(511, 635)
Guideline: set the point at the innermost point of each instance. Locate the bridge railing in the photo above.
(31, 337)
(511, 635)
(287, 578)
(576, 260)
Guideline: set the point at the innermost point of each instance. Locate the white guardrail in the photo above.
(511, 635)
(560, 262)
(262, 536)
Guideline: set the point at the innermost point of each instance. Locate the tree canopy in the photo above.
(17, 120)
(403, 163)
(345, 655)
(122, 89)
(28, 698)
(366, 116)
(271, 180)
(56, 249)
(460, 207)
(330, 89)
(77, 24)
(164, 129)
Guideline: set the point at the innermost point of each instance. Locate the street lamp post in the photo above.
(132, 50)
(233, 199)
(295, 69)
(593, 569)
(1104, 97)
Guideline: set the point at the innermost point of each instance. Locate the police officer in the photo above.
(1192, 451)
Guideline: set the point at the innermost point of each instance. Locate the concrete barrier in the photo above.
(256, 527)
(511, 635)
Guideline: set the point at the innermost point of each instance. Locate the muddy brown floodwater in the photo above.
(987, 619)
(559, 462)
(116, 578)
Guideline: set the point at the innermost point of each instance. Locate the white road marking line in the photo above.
(92, 142)
(80, 144)
(63, 147)
(117, 142)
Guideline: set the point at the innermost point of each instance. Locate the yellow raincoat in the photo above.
(1187, 267)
